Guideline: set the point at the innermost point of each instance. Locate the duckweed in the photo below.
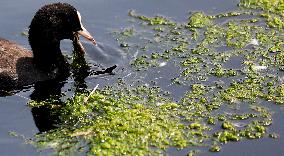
(228, 126)
(211, 120)
(128, 32)
(141, 62)
(274, 9)
(198, 20)
(215, 148)
(253, 131)
(243, 116)
(225, 136)
(237, 36)
(152, 21)
(193, 152)
(116, 125)
(274, 6)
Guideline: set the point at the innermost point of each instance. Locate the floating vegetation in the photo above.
(117, 121)
(158, 20)
(199, 20)
(232, 72)
(272, 11)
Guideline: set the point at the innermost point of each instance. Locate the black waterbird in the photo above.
(51, 24)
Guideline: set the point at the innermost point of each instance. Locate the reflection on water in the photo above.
(104, 55)
(45, 117)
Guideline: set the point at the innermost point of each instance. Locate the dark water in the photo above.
(101, 17)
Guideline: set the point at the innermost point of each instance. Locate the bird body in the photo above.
(17, 67)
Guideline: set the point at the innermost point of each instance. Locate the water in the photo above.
(101, 17)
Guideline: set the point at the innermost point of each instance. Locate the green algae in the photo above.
(117, 125)
(272, 10)
(141, 62)
(226, 136)
(254, 131)
(115, 122)
(199, 20)
(243, 116)
(158, 20)
(141, 120)
(220, 72)
(215, 148)
(228, 126)
(274, 6)
(128, 32)
(211, 120)
(237, 36)
(193, 152)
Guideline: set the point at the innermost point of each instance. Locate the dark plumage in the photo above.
(50, 25)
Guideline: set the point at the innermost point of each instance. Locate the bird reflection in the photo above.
(46, 117)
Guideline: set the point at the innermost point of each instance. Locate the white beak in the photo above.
(85, 32)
